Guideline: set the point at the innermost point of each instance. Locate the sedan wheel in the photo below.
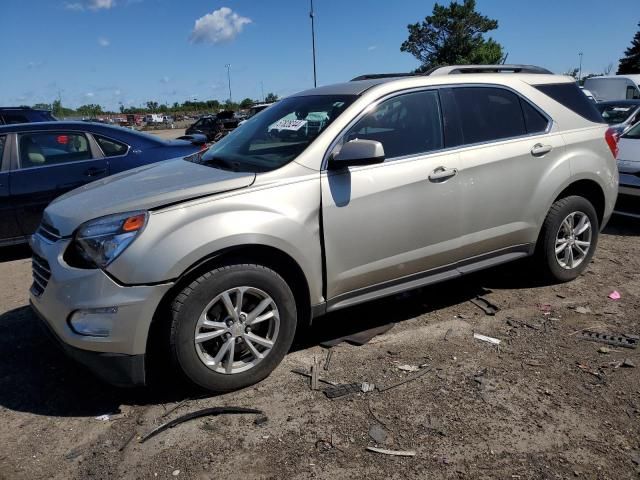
(573, 240)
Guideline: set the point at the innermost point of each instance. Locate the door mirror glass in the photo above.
(358, 152)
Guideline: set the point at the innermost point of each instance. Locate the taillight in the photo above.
(612, 140)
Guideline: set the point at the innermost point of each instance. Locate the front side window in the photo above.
(111, 148)
(274, 138)
(408, 124)
(487, 114)
(52, 148)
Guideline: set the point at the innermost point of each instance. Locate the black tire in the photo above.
(546, 247)
(191, 302)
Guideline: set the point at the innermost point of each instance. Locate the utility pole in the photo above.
(262, 89)
(313, 43)
(228, 65)
(580, 68)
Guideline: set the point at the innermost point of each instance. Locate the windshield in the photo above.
(275, 136)
(634, 132)
(613, 114)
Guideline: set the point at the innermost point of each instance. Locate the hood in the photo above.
(142, 188)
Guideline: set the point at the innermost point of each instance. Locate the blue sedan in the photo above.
(40, 161)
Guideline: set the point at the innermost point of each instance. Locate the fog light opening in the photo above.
(93, 322)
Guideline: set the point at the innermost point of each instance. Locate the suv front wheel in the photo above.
(232, 326)
(568, 239)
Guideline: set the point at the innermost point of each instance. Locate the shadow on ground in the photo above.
(14, 252)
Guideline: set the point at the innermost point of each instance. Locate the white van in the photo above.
(153, 118)
(618, 87)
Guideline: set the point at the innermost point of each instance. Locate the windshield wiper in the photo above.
(221, 163)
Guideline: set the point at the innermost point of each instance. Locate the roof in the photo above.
(3, 109)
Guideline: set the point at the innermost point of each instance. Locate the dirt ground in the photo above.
(545, 405)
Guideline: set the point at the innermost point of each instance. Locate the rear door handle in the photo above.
(442, 173)
(539, 149)
(94, 171)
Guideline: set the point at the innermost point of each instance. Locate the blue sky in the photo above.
(130, 51)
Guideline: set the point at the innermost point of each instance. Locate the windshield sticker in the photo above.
(286, 124)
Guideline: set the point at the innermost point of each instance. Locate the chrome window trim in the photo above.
(379, 100)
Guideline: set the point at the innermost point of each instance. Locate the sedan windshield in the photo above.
(275, 136)
(613, 114)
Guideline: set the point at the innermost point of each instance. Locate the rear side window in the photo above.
(488, 114)
(408, 124)
(569, 95)
(12, 118)
(111, 148)
(533, 119)
(52, 148)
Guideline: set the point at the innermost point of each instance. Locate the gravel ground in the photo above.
(545, 404)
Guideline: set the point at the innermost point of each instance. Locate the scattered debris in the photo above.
(409, 378)
(627, 363)
(377, 433)
(367, 387)
(104, 418)
(446, 335)
(314, 374)
(604, 350)
(484, 304)
(127, 441)
(559, 295)
(328, 359)
(360, 338)
(587, 369)
(74, 453)
(299, 371)
(435, 426)
(521, 323)
(261, 420)
(615, 295)
(534, 364)
(484, 338)
(397, 453)
(198, 414)
(622, 340)
(545, 307)
(583, 310)
(336, 391)
(408, 368)
(175, 473)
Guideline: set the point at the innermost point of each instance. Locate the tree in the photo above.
(270, 98)
(152, 106)
(246, 103)
(630, 63)
(91, 109)
(573, 72)
(453, 35)
(42, 106)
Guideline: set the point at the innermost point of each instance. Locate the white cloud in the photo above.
(165, 79)
(103, 42)
(218, 26)
(88, 94)
(372, 48)
(90, 4)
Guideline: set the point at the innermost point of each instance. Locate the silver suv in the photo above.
(329, 198)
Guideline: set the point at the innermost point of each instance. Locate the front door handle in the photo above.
(94, 171)
(442, 173)
(539, 149)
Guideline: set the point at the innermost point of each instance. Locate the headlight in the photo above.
(100, 241)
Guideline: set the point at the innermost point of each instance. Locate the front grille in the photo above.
(41, 274)
(49, 232)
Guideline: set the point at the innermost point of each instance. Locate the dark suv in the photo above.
(11, 115)
(214, 126)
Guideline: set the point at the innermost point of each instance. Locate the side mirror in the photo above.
(357, 152)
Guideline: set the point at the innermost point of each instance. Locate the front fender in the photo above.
(285, 217)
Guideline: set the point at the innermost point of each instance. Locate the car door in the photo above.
(119, 155)
(50, 163)
(505, 154)
(9, 229)
(389, 221)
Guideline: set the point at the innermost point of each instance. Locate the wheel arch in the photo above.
(589, 189)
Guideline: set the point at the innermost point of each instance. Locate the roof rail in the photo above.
(457, 69)
(375, 76)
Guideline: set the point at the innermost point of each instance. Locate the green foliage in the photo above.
(270, 98)
(630, 63)
(90, 110)
(453, 35)
(246, 103)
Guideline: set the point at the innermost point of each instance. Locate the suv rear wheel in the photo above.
(232, 326)
(568, 239)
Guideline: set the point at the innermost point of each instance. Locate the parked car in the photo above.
(214, 126)
(628, 202)
(215, 260)
(154, 118)
(11, 115)
(616, 87)
(621, 114)
(40, 161)
(589, 94)
(255, 110)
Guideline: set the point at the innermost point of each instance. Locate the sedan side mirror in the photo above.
(357, 152)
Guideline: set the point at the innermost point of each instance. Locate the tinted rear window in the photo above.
(569, 95)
